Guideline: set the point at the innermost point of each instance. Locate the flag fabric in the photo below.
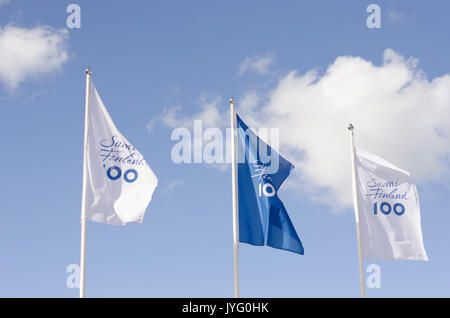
(120, 183)
(263, 219)
(389, 210)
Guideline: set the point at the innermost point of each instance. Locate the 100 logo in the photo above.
(386, 208)
(115, 173)
(267, 189)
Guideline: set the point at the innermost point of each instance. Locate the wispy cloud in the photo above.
(3, 2)
(395, 16)
(257, 64)
(171, 186)
(209, 113)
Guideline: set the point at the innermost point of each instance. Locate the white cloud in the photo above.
(257, 64)
(3, 2)
(249, 101)
(397, 112)
(31, 52)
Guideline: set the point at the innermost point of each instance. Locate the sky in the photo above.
(305, 67)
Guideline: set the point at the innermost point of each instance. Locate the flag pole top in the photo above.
(350, 127)
(232, 101)
(89, 71)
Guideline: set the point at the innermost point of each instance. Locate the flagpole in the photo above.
(356, 205)
(83, 196)
(235, 198)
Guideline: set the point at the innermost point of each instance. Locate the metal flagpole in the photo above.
(83, 196)
(235, 198)
(356, 205)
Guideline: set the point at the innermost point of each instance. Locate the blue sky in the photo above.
(148, 57)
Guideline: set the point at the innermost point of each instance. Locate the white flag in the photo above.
(389, 210)
(120, 184)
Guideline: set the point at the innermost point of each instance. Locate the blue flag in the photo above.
(263, 219)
